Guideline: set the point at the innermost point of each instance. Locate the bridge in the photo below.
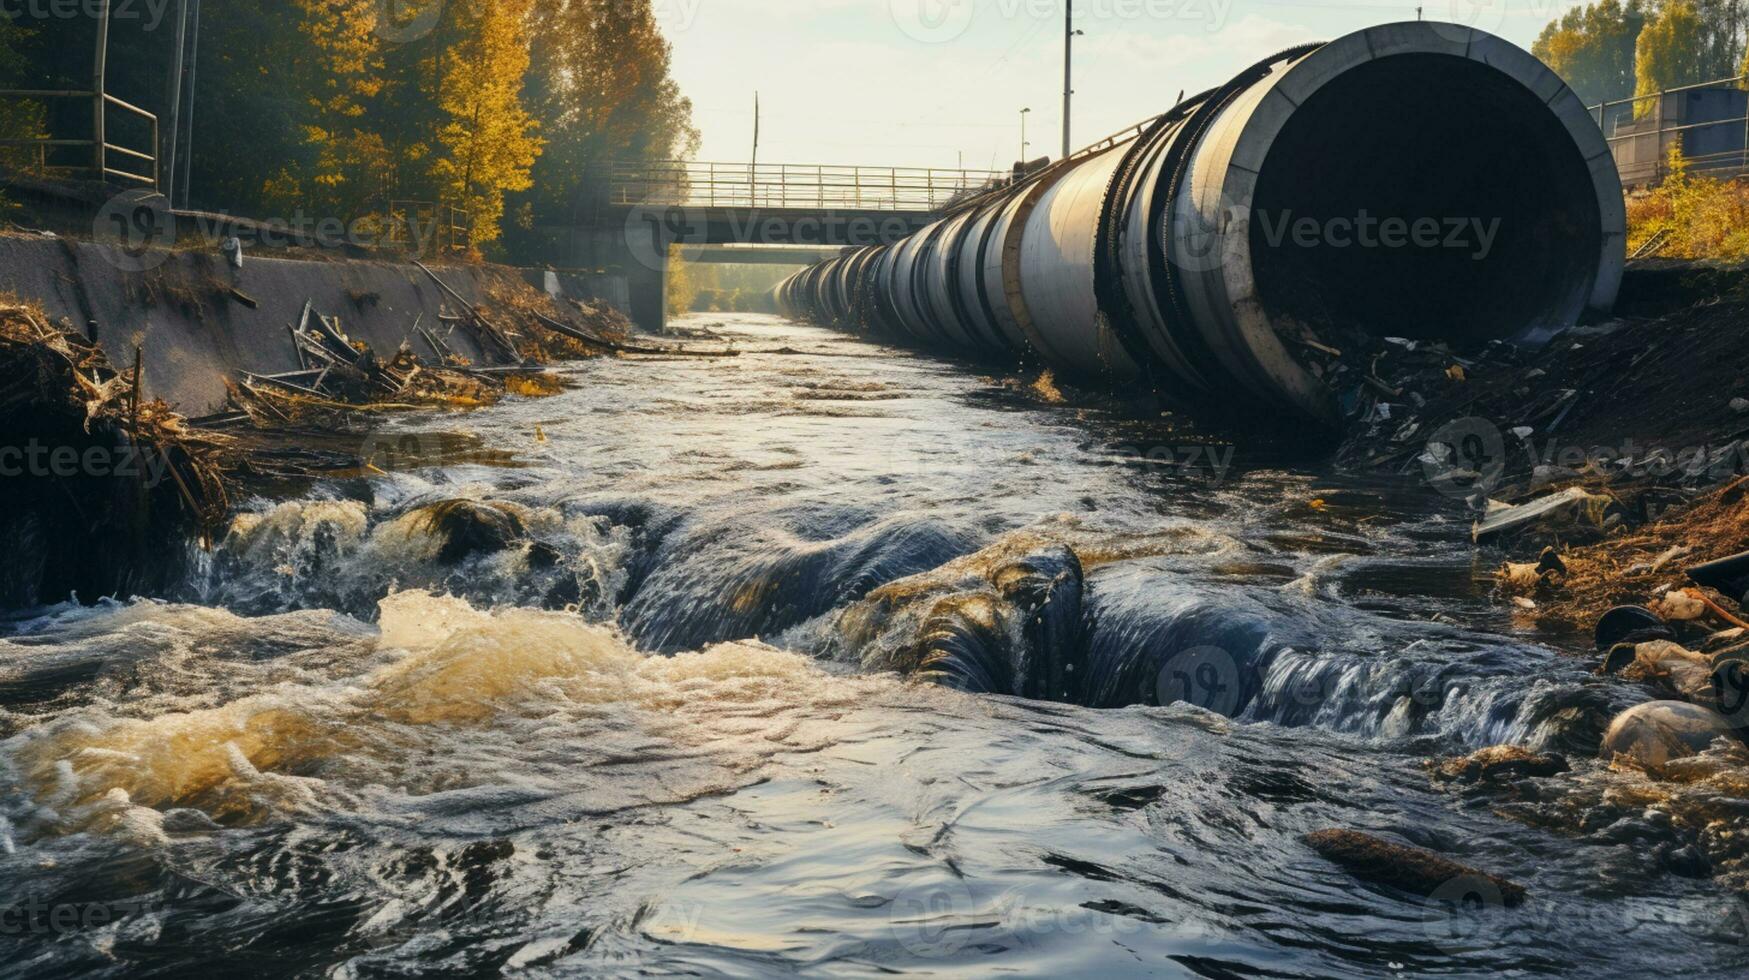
(767, 213)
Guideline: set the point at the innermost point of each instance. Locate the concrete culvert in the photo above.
(1484, 197)
(1415, 180)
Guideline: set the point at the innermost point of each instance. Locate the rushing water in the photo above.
(658, 733)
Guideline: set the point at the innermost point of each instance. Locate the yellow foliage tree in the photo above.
(1670, 52)
(352, 161)
(488, 142)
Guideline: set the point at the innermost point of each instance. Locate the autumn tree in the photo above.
(601, 86)
(336, 108)
(1592, 48)
(488, 140)
(1671, 52)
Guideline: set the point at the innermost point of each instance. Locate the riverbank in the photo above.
(148, 392)
(1626, 433)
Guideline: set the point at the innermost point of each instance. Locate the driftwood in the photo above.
(486, 326)
(1411, 869)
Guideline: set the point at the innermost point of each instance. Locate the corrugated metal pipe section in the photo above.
(1418, 180)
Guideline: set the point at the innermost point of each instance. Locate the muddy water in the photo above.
(653, 734)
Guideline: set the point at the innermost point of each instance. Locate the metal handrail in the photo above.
(1721, 83)
(1726, 163)
(101, 169)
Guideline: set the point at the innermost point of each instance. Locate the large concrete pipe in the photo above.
(969, 282)
(1058, 253)
(902, 291)
(940, 287)
(1412, 180)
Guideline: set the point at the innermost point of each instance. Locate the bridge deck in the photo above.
(788, 186)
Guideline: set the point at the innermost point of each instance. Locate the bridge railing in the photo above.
(682, 183)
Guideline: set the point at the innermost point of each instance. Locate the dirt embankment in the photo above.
(1631, 434)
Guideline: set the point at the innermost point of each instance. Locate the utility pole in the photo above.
(1023, 143)
(99, 69)
(753, 176)
(1069, 33)
(168, 149)
(193, 69)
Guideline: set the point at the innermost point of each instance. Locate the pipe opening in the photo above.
(1416, 178)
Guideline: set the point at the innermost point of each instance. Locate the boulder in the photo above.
(1654, 733)
(470, 527)
(1499, 762)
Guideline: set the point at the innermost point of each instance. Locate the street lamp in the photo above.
(1023, 143)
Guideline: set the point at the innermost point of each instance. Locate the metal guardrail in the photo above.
(1643, 154)
(100, 151)
(681, 183)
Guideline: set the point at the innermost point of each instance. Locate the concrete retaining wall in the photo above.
(195, 335)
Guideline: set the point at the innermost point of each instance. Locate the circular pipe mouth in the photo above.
(1383, 198)
(1416, 180)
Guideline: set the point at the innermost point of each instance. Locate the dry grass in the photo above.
(1706, 218)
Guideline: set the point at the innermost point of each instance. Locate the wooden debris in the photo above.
(1411, 869)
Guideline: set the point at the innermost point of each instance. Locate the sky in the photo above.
(931, 83)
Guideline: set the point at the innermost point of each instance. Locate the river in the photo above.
(660, 740)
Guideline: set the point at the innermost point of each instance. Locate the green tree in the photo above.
(19, 118)
(1724, 35)
(600, 84)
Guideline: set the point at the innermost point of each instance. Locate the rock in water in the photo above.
(1017, 635)
(1409, 869)
(1500, 762)
(1654, 733)
(469, 527)
(1007, 619)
